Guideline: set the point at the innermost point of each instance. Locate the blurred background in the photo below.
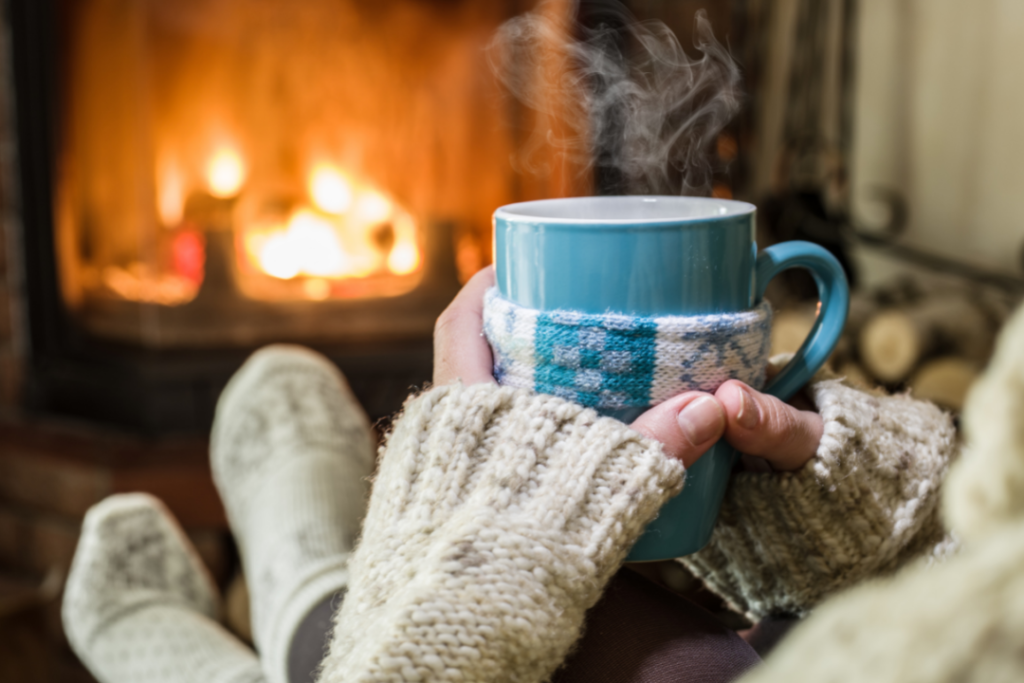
(182, 181)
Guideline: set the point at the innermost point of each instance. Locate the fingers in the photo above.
(687, 425)
(460, 350)
(763, 426)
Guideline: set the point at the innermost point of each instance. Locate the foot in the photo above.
(291, 452)
(140, 606)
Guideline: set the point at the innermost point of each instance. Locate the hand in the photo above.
(460, 350)
(764, 426)
(687, 425)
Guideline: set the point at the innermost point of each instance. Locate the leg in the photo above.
(291, 451)
(139, 605)
(310, 641)
(766, 634)
(641, 633)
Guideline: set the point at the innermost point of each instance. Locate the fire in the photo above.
(372, 207)
(225, 173)
(405, 254)
(342, 229)
(348, 230)
(403, 258)
(170, 193)
(139, 282)
(308, 245)
(329, 189)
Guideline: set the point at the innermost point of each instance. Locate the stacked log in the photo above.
(895, 341)
(930, 337)
(790, 328)
(944, 381)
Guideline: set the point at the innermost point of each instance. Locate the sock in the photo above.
(291, 451)
(140, 606)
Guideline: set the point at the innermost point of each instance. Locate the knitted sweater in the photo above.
(962, 620)
(863, 506)
(495, 521)
(498, 516)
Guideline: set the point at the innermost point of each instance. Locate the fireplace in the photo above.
(202, 177)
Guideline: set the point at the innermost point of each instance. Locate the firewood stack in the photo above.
(932, 337)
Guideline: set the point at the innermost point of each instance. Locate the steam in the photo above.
(632, 101)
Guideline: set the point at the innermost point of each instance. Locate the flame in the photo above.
(404, 258)
(309, 244)
(225, 173)
(329, 189)
(405, 254)
(314, 245)
(277, 258)
(139, 282)
(372, 207)
(348, 230)
(170, 194)
(317, 288)
(188, 255)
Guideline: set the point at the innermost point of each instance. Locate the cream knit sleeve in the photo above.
(961, 620)
(496, 519)
(866, 503)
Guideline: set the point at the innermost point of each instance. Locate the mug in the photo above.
(658, 256)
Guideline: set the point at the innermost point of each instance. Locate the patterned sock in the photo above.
(140, 606)
(291, 451)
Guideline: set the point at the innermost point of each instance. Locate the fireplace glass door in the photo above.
(230, 172)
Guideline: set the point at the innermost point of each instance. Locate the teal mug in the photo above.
(663, 256)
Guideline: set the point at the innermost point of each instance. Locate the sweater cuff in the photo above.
(496, 518)
(865, 504)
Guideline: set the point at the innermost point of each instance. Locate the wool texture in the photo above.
(960, 621)
(291, 452)
(986, 489)
(866, 504)
(140, 606)
(614, 361)
(495, 521)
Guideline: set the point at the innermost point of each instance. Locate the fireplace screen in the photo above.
(235, 171)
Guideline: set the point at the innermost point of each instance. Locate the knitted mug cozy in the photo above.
(613, 361)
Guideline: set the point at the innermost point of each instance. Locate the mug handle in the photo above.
(834, 294)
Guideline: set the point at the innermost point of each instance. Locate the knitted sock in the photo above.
(291, 450)
(139, 605)
(614, 361)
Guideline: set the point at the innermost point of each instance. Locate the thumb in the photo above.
(764, 426)
(687, 425)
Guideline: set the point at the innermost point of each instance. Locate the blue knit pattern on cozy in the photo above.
(612, 361)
